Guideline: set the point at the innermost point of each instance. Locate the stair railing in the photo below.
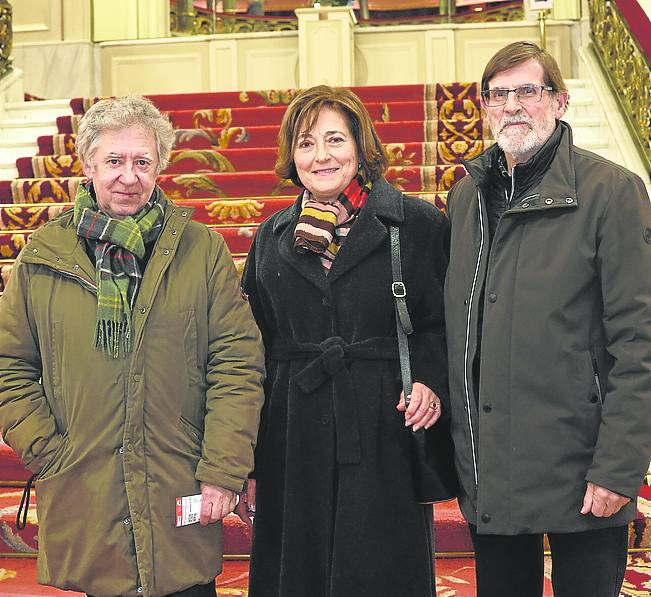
(6, 38)
(621, 34)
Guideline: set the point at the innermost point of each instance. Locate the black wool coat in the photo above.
(336, 513)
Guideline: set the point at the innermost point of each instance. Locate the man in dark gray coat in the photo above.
(548, 311)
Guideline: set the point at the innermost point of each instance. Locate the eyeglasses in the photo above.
(525, 94)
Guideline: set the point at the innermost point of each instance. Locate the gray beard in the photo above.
(528, 144)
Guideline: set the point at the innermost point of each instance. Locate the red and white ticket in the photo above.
(188, 510)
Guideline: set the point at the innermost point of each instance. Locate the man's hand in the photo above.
(602, 502)
(424, 407)
(216, 503)
(246, 508)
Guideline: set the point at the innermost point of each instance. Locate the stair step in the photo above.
(16, 133)
(41, 110)
(8, 170)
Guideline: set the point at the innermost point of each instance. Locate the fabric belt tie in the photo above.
(330, 361)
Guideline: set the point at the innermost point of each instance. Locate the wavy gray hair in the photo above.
(120, 113)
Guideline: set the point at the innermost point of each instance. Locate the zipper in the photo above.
(512, 185)
(466, 367)
(467, 344)
(597, 382)
(85, 283)
(66, 274)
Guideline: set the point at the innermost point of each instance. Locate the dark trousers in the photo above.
(196, 591)
(586, 564)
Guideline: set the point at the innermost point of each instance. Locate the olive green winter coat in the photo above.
(115, 441)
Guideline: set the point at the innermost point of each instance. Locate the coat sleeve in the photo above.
(254, 292)
(234, 376)
(623, 446)
(26, 421)
(428, 344)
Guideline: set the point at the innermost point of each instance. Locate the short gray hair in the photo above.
(120, 113)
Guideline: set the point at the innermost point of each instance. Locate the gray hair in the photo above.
(120, 113)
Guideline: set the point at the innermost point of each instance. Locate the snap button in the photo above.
(549, 201)
(174, 232)
(487, 408)
(525, 205)
(34, 250)
(136, 377)
(569, 200)
(58, 259)
(485, 518)
(127, 521)
(325, 302)
(492, 297)
(143, 309)
(121, 450)
(75, 266)
(139, 590)
(166, 251)
(594, 399)
(184, 213)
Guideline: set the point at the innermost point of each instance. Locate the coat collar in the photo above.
(384, 205)
(557, 185)
(57, 245)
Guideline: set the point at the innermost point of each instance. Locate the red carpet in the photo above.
(410, 131)
(438, 92)
(244, 159)
(452, 537)
(454, 578)
(223, 168)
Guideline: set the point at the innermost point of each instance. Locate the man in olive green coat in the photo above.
(130, 373)
(548, 313)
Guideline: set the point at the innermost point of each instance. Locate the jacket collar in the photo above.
(384, 205)
(552, 169)
(64, 251)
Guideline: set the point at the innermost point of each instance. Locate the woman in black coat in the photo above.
(335, 510)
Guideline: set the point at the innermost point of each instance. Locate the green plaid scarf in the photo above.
(118, 244)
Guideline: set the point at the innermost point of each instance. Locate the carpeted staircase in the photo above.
(223, 167)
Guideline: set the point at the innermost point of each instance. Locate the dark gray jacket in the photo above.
(564, 384)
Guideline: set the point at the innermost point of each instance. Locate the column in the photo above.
(326, 46)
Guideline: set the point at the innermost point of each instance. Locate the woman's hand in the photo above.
(246, 507)
(424, 407)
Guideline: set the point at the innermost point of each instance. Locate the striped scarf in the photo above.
(118, 244)
(322, 227)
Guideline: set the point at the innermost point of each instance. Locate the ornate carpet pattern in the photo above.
(225, 151)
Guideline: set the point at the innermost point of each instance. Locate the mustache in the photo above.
(507, 120)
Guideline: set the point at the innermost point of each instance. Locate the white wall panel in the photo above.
(389, 59)
(440, 59)
(154, 73)
(37, 21)
(268, 68)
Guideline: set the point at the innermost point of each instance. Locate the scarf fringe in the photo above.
(113, 338)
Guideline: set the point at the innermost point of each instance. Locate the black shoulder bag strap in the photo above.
(404, 327)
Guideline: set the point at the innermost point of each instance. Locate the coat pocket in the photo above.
(598, 394)
(191, 347)
(53, 465)
(193, 433)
